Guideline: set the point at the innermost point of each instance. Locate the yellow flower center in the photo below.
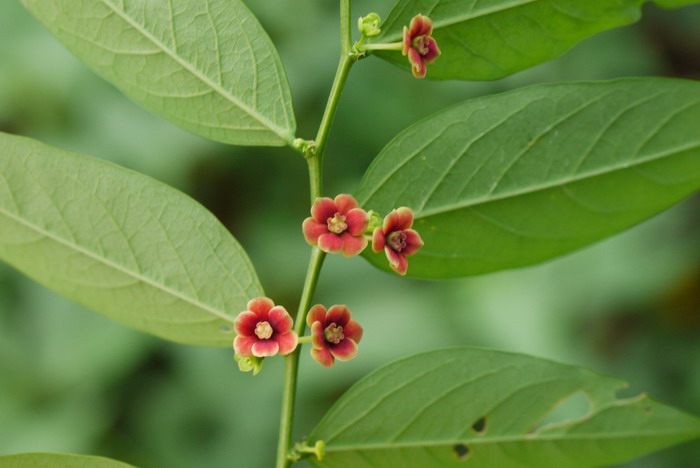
(337, 223)
(334, 333)
(263, 330)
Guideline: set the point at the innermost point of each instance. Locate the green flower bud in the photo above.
(247, 364)
(369, 25)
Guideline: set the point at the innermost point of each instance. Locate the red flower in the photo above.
(333, 334)
(420, 47)
(397, 239)
(337, 226)
(264, 330)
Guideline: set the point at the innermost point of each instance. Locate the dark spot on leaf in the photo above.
(480, 425)
(462, 451)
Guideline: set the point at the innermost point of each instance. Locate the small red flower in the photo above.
(397, 239)
(420, 47)
(333, 334)
(337, 226)
(264, 330)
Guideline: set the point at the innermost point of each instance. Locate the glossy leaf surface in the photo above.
(489, 39)
(471, 407)
(514, 179)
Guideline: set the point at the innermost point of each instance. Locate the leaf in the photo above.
(120, 243)
(490, 39)
(439, 408)
(57, 460)
(514, 179)
(675, 3)
(207, 66)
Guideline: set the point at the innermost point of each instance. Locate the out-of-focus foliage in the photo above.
(72, 381)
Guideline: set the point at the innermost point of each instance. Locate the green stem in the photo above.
(315, 161)
(305, 339)
(292, 361)
(389, 46)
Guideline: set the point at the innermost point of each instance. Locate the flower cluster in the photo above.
(418, 44)
(340, 226)
(265, 330)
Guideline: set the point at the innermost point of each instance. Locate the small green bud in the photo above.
(302, 449)
(305, 147)
(369, 25)
(375, 221)
(247, 364)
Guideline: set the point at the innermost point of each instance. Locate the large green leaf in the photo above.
(207, 66)
(514, 179)
(675, 3)
(439, 408)
(489, 39)
(57, 460)
(120, 243)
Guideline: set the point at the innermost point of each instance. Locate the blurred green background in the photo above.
(73, 381)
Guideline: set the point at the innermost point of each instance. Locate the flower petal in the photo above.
(418, 67)
(391, 222)
(316, 314)
(397, 262)
(413, 242)
(330, 243)
(357, 220)
(323, 209)
(345, 203)
(313, 229)
(353, 331)
(280, 319)
(433, 50)
(420, 25)
(261, 306)
(345, 350)
(405, 218)
(338, 314)
(287, 342)
(246, 322)
(378, 240)
(243, 344)
(353, 245)
(406, 40)
(323, 357)
(265, 348)
(318, 339)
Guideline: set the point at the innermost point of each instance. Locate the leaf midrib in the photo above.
(469, 16)
(107, 262)
(506, 439)
(283, 134)
(536, 188)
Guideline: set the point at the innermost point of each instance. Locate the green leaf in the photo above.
(489, 39)
(123, 244)
(207, 66)
(57, 460)
(514, 179)
(675, 3)
(440, 408)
